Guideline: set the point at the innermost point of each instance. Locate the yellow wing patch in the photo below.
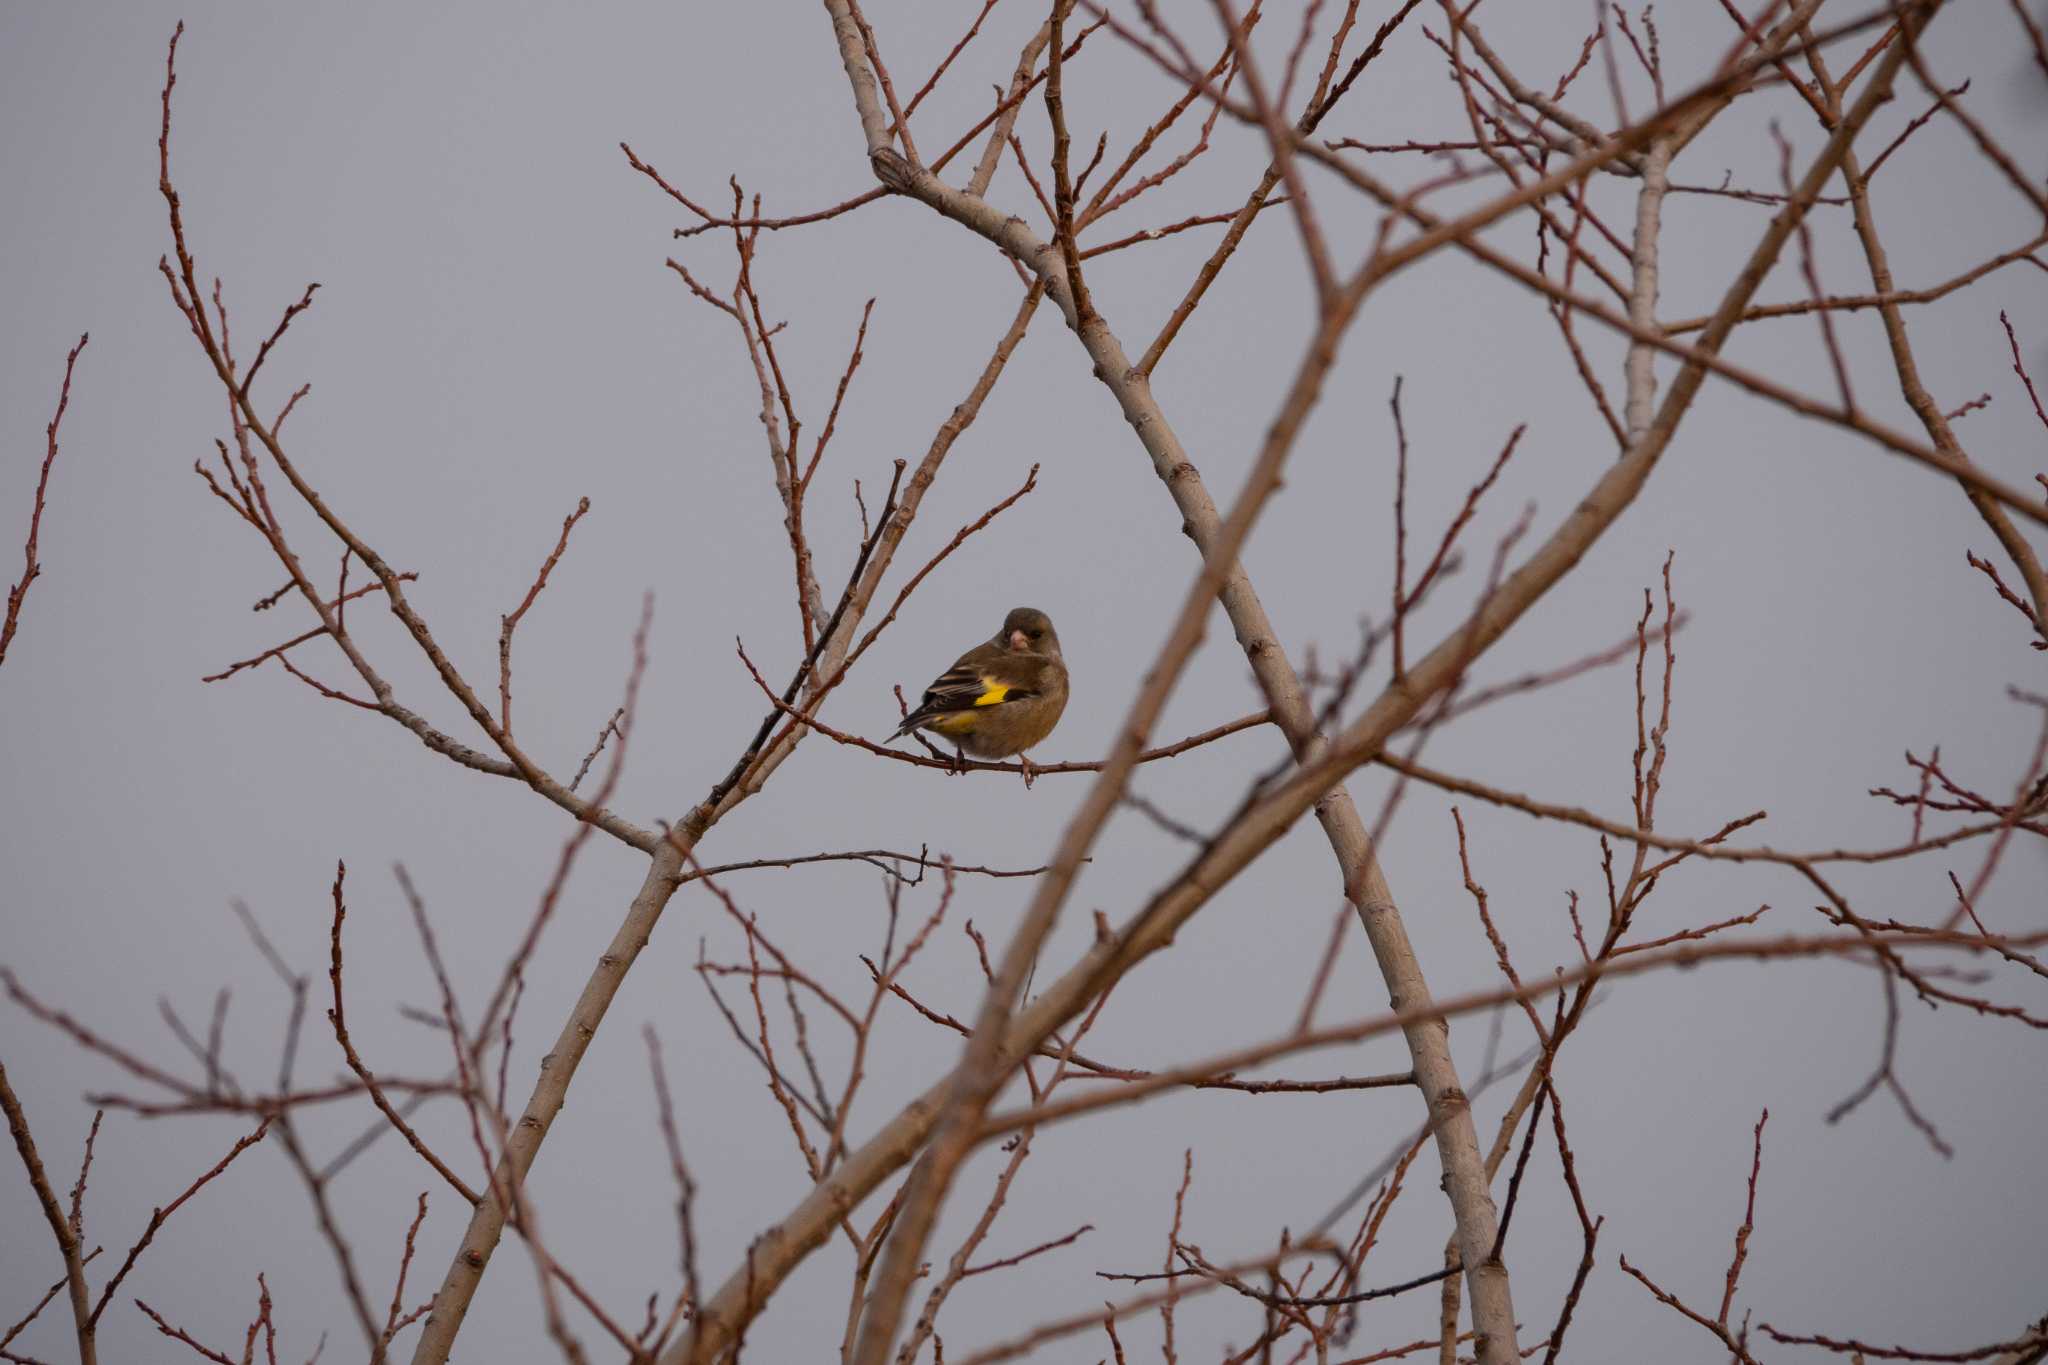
(967, 719)
(962, 722)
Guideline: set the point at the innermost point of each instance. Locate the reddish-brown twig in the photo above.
(394, 1323)
(158, 1217)
(2019, 367)
(1589, 1227)
(276, 651)
(180, 1334)
(509, 623)
(1850, 946)
(32, 567)
(1729, 1341)
(276, 334)
(1106, 202)
(910, 585)
(945, 62)
(2025, 1347)
(1710, 847)
(337, 1018)
(1756, 1164)
(1853, 302)
(251, 501)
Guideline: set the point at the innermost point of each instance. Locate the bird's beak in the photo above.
(1019, 642)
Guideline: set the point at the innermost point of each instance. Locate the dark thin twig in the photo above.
(158, 1217)
(753, 749)
(32, 568)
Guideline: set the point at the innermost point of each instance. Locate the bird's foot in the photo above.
(1029, 768)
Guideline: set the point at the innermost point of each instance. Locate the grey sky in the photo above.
(496, 336)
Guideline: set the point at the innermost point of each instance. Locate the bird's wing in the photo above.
(983, 676)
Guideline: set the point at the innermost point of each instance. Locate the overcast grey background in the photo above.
(497, 336)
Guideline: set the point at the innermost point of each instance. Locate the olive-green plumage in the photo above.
(1001, 697)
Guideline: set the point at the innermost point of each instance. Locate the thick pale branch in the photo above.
(983, 1067)
(1364, 884)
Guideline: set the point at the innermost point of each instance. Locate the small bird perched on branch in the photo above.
(1001, 697)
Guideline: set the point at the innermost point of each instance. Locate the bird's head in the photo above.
(1026, 630)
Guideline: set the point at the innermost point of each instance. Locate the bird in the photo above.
(1001, 697)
